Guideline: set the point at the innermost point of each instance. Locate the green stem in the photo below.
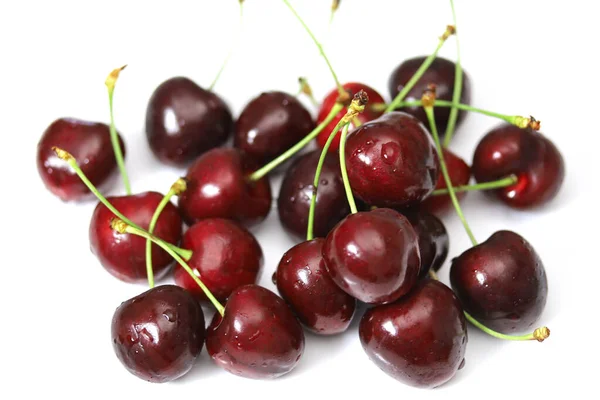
(500, 183)
(345, 179)
(414, 79)
(539, 334)
(313, 199)
(114, 137)
(319, 46)
(231, 49)
(258, 174)
(458, 82)
(139, 232)
(436, 138)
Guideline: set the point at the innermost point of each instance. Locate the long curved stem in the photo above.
(319, 46)
(345, 179)
(110, 82)
(313, 198)
(258, 174)
(458, 82)
(500, 183)
(415, 78)
(232, 48)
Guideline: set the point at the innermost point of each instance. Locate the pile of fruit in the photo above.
(365, 208)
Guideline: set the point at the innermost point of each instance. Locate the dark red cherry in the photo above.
(124, 254)
(419, 340)
(270, 124)
(329, 101)
(460, 175)
(441, 74)
(159, 334)
(218, 187)
(259, 337)
(296, 190)
(392, 161)
(184, 120)
(89, 143)
(529, 155)
(225, 256)
(433, 240)
(305, 284)
(501, 282)
(373, 255)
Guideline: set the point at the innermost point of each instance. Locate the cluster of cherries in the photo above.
(382, 249)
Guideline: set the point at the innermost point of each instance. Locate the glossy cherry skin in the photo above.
(434, 241)
(225, 257)
(270, 124)
(501, 282)
(441, 73)
(259, 337)
(531, 156)
(392, 161)
(293, 202)
(460, 175)
(373, 255)
(305, 284)
(158, 334)
(218, 187)
(329, 101)
(89, 143)
(419, 340)
(184, 120)
(124, 254)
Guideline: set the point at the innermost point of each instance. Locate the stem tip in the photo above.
(428, 98)
(113, 76)
(118, 225)
(63, 154)
(357, 106)
(450, 30)
(541, 334)
(179, 186)
(335, 5)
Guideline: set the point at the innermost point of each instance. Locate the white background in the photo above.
(524, 57)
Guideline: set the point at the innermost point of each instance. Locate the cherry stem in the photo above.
(313, 199)
(258, 174)
(232, 48)
(345, 179)
(428, 101)
(122, 227)
(521, 122)
(539, 334)
(306, 90)
(413, 80)
(458, 82)
(340, 89)
(500, 183)
(176, 189)
(110, 82)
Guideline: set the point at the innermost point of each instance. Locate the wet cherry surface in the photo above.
(501, 282)
(158, 334)
(420, 339)
(303, 281)
(90, 144)
(259, 337)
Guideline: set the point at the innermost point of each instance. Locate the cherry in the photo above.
(184, 121)
(305, 284)
(441, 73)
(419, 340)
(331, 99)
(90, 144)
(270, 124)
(373, 255)
(433, 240)
(218, 187)
(460, 175)
(224, 255)
(501, 282)
(392, 161)
(123, 255)
(158, 334)
(529, 155)
(295, 193)
(257, 337)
